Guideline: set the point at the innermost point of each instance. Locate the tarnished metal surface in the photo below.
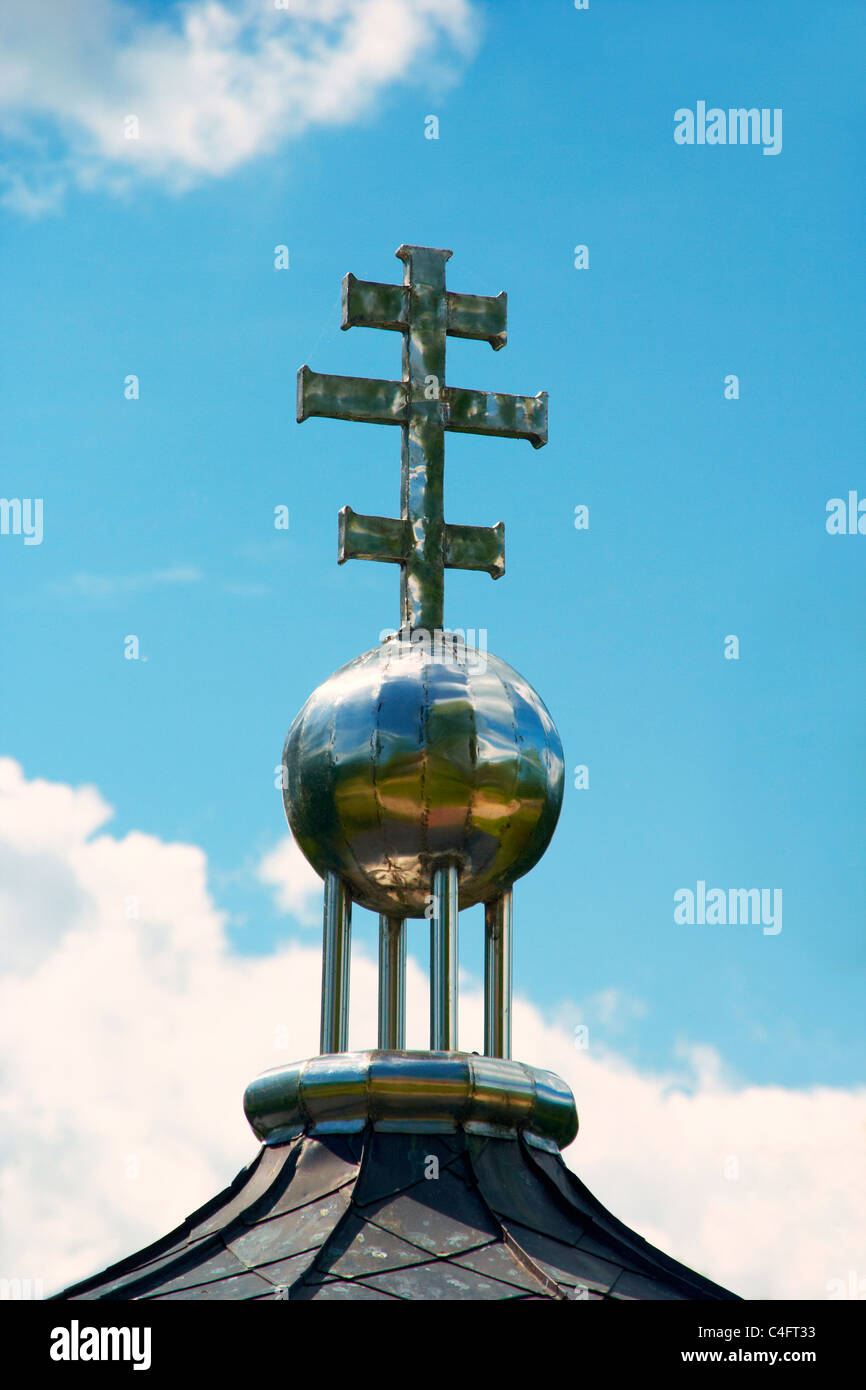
(442, 1279)
(415, 1091)
(396, 1162)
(445, 1221)
(276, 1237)
(399, 761)
(362, 1249)
(497, 1260)
(315, 1172)
(424, 406)
(407, 1217)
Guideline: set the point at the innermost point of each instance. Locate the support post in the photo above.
(498, 935)
(336, 960)
(392, 982)
(443, 960)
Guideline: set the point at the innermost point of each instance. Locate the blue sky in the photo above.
(707, 515)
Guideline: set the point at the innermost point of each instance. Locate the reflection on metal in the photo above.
(399, 760)
(443, 960)
(411, 1092)
(392, 982)
(498, 935)
(367, 304)
(423, 771)
(409, 771)
(424, 407)
(336, 961)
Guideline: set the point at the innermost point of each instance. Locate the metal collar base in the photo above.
(411, 1093)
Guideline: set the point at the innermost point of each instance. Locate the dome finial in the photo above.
(415, 783)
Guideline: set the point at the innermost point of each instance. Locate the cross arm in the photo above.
(350, 398)
(492, 412)
(478, 316)
(372, 538)
(476, 548)
(370, 304)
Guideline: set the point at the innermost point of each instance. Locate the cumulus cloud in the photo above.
(297, 887)
(129, 1029)
(614, 1009)
(101, 93)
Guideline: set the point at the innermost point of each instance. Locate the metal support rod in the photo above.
(392, 982)
(443, 961)
(498, 936)
(336, 960)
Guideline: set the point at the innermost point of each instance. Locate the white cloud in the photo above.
(615, 1009)
(108, 586)
(297, 887)
(211, 85)
(128, 1031)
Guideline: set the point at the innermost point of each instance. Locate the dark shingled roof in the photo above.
(358, 1217)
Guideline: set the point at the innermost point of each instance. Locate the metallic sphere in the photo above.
(412, 756)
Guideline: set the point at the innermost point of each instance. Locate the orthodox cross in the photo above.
(421, 542)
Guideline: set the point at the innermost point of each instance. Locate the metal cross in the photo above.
(422, 543)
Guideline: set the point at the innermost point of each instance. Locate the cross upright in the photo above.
(421, 541)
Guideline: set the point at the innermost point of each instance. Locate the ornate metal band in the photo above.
(411, 1092)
